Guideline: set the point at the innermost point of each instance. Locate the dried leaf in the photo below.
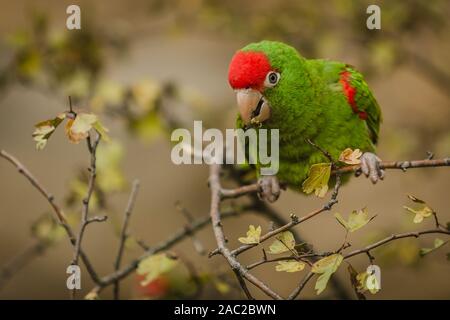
(317, 180)
(253, 235)
(284, 242)
(79, 128)
(356, 220)
(290, 266)
(350, 156)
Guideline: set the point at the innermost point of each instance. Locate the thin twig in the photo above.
(403, 165)
(123, 233)
(238, 269)
(56, 208)
(175, 238)
(92, 147)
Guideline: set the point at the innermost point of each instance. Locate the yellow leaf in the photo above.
(326, 267)
(221, 286)
(92, 296)
(45, 129)
(350, 156)
(423, 211)
(284, 242)
(317, 180)
(367, 282)
(290, 266)
(253, 235)
(154, 266)
(145, 94)
(79, 128)
(356, 219)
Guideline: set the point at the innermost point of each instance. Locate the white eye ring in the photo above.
(272, 78)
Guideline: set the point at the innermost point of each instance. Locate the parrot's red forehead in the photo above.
(248, 69)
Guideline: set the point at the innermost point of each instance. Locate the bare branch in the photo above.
(239, 270)
(123, 233)
(61, 218)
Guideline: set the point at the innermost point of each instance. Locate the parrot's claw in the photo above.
(370, 166)
(269, 188)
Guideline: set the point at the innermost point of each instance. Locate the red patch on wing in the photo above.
(248, 70)
(350, 93)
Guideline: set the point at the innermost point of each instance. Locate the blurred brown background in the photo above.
(190, 43)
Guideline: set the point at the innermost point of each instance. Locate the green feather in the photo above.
(309, 103)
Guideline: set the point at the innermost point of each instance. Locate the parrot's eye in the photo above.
(272, 79)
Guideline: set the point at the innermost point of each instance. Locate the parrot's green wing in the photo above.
(351, 83)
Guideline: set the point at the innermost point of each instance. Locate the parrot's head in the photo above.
(263, 74)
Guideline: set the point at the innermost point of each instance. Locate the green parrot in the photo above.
(327, 102)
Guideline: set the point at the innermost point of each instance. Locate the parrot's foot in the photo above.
(269, 188)
(370, 166)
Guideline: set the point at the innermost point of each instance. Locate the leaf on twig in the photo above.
(423, 211)
(78, 129)
(253, 235)
(290, 266)
(437, 244)
(284, 242)
(45, 129)
(367, 282)
(317, 180)
(350, 156)
(326, 267)
(154, 266)
(356, 220)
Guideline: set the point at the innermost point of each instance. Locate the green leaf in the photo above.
(284, 242)
(423, 211)
(326, 267)
(437, 244)
(356, 220)
(154, 266)
(45, 129)
(317, 180)
(253, 235)
(290, 266)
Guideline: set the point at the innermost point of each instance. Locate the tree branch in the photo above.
(61, 218)
(123, 233)
(239, 270)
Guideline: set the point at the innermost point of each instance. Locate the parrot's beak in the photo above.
(253, 107)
